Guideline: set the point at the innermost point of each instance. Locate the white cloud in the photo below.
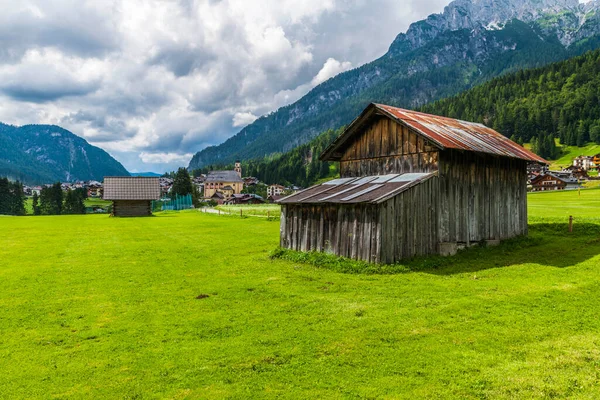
(153, 81)
(331, 68)
(242, 119)
(165, 158)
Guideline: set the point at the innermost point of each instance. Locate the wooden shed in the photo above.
(411, 184)
(131, 196)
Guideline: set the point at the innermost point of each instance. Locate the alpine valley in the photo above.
(471, 42)
(36, 154)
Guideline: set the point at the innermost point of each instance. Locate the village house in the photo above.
(165, 186)
(131, 196)
(94, 189)
(250, 181)
(554, 180)
(245, 198)
(226, 183)
(576, 172)
(584, 162)
(411, 184)
(275, 190)
(596, 161)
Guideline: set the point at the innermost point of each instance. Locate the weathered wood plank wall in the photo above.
(347, 230)
(409, 223)
(132, 208)
(386, 147)
(481, 197)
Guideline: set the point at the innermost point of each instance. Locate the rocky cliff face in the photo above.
(470, 42)
(568, 19)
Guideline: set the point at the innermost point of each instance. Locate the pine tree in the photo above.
(74, 202)
(51, 200)
(35, 203)
(17, 202)
(182, 183)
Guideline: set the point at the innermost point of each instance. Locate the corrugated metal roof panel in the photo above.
(462, 135)
(445, 133)
(369, 189)
(339, 181)
(409, 177)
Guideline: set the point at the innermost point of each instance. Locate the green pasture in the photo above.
(256, 210)
(190, 306)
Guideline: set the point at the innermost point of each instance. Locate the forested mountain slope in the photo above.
(560, 100)
(472, 42)
(37, 154)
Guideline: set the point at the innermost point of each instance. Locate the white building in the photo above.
(275, 190)
(584, 162)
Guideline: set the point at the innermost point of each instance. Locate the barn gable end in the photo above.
(463, 183)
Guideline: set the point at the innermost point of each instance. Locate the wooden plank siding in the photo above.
(472, 198)
(386, 147)
(132, 208)
(481, 197)
(409, 223)
(347, 230)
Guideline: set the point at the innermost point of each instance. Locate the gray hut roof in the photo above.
(368, 189)
(131, 188)
(223, 176)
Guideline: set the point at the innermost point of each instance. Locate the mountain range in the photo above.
(37, 154)
(471, 42)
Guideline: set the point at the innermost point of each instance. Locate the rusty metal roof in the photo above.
(369, 189)
(445, 133)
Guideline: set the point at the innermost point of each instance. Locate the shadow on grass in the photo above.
(547, 244)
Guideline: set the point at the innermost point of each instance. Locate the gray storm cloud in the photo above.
(155, 81)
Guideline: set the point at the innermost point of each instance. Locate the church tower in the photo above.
(238, 168)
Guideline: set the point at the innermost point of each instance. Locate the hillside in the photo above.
(300, 166)
(36, 154)
(561, 100)
(470, 43)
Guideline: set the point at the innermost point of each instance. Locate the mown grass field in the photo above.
(256, 210)
(189, 306)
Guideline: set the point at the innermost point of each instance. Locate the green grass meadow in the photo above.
(190, 306)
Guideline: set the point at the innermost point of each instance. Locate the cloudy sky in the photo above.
(154, 81)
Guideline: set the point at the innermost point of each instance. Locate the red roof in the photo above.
(445, 133)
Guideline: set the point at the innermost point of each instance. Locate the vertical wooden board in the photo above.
(367, 234)
(393, 141)
(314, 227)
(390, 239)
(402, 140)
(375, 235)
(282, 227)
(412, 142)
(385, 137)
(321, 229)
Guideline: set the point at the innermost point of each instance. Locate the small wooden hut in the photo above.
(411, 184)
(131, 196)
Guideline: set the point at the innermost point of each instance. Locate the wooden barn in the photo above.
(411, 184)
(131, 196)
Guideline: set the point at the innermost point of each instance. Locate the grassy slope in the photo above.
(570, 152)
(115, 314)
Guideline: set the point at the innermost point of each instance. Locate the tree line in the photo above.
(53, 201)
(12, 198)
